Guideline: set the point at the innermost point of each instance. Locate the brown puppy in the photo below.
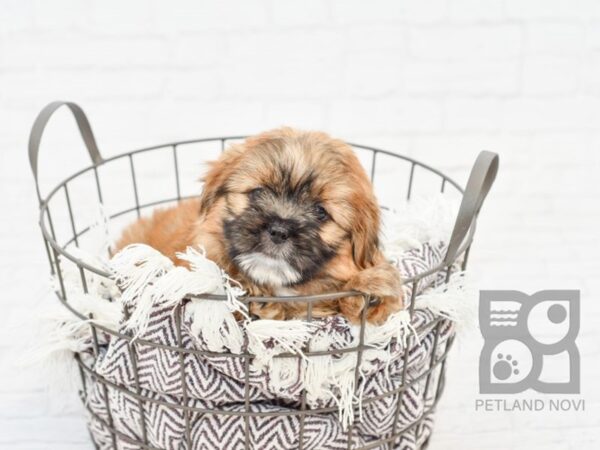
(285, 213)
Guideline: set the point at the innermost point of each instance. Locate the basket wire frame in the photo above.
(59, 253)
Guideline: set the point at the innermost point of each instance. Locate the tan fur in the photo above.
(344, 189)
(167, 230)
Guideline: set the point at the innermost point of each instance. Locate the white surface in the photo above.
(438, 80)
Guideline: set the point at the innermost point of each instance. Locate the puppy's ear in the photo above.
(217, 175)
(365, 235)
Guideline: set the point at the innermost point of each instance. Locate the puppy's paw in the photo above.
(351, 307)
(383, 308)
(273, 311)
(382, 282)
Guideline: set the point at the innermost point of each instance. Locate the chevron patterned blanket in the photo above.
(275, 383)
(167, 399)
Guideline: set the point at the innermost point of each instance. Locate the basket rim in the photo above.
(63, 251)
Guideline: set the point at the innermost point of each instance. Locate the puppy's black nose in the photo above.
(279, 232)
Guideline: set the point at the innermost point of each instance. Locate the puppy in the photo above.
(285, 213)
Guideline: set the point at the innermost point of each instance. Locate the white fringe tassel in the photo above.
(149, 279)
(457, 301)
(58, 334)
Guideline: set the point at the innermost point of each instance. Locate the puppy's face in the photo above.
(277, 238)
(290, 204)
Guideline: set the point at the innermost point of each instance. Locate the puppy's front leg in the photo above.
(381, 281)
(273, 311)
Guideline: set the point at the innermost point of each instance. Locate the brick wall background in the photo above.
(437, 80)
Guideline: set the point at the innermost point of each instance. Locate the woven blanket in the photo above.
(274, 384)
(282, 375)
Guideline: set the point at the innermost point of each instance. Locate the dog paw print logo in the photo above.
(529, 342)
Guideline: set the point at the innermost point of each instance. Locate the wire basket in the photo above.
(60, 248)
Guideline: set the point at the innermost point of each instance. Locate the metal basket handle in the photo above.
(39, 126)
(480, 181)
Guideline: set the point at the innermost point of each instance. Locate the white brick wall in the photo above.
(438, 80)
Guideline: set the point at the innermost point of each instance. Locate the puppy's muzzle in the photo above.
(279, 231)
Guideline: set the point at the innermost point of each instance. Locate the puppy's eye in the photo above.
(321, 213)
(256, 193)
